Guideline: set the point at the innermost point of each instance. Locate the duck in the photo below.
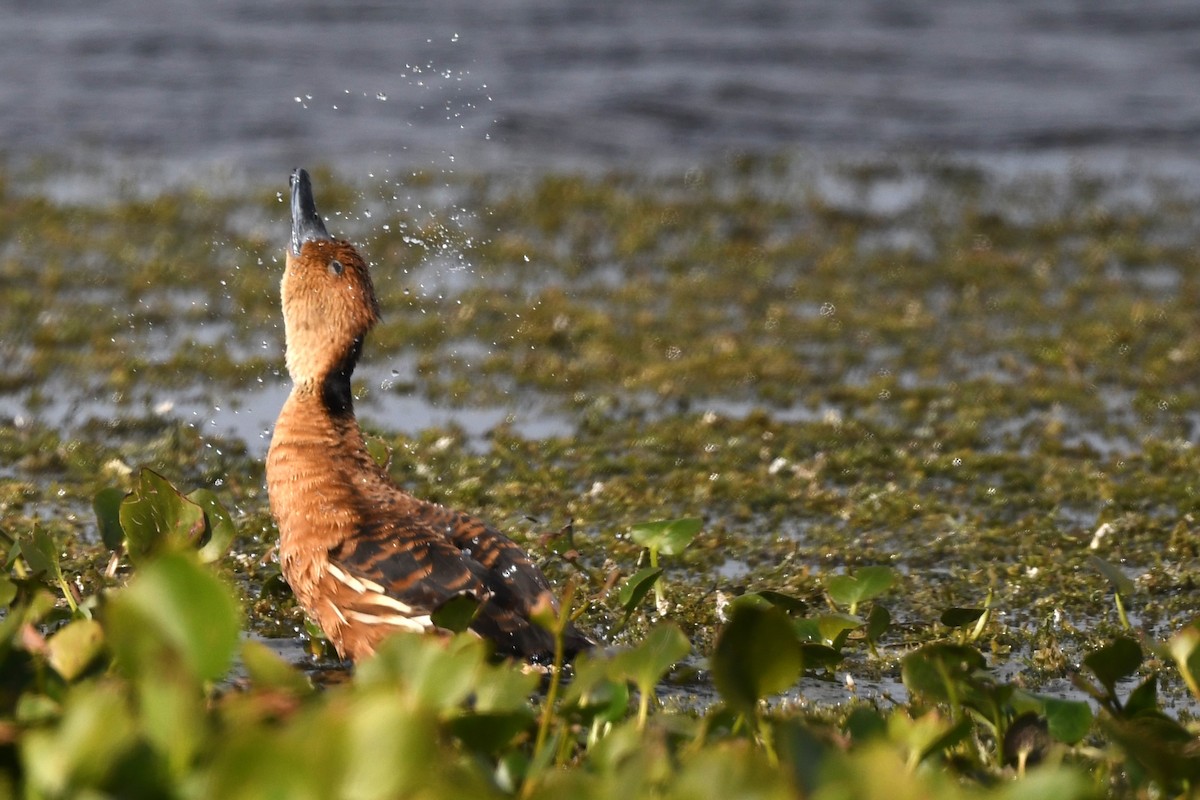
(365, 558)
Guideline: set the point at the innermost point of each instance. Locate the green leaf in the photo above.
(819, 656)
(1068, 720)
(438, 673)
(669, 536)
(81, 750)
(636, 587)
(1184, 648)
(456, 614)
(1120, 581)
(218, 523)
(156, 517)
(756, 654)
(961, 617)
(8, 590)
(878, 621)
(40, 553)
(646, 663)
(267, 670)
(941, 670)
(1144, 698)
(491, 731)
(867, 583)
(833, 628)
(74, 647)
(1114, 661)
(792, 605)
(107, 505)
(174, 603)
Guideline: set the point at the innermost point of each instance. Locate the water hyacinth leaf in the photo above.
(1120, 581)
(595, 691)
(645, 664)
(864, 724)
(74, 647)
(172, 716)
(807, 629)
(219, 525)
(39, 552)
(669, 536)
(1068, 721)
(637, 586)
(455, 615)
(1116, 660)
(1160, 745)
(756, 654)
(961, 617)
(267, 670)
(8, 590)
(1144, 698)
(878, 621)
(175, 602)
(391, 749)
(792, 605)
(95, 730)
(437, 672)
(107, 505)
(819, 656)
(155, 516)
(501, 688)
(939, 670)
(490, 731)
(41, 555)
(834, 628)
(865, 584)
(929, 733)
(1184, 648)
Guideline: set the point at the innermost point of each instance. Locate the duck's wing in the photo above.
(395, 574)
(516, 584)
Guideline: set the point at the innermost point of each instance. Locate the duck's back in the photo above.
(366, 558)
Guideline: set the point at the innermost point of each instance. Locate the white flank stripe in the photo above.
(351, 581)
(386, 601)
(416, 624)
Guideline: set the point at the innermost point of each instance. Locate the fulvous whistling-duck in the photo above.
(364, 557)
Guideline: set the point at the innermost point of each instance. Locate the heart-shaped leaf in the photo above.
(941, 670)
(1119, 580)
(1114, 661)
(218, 524)
(645, 664)
(961, 617)
(868, 582)
(636, 587)
(669, 536)
(107, 505)
(156, 517)
(756, 654)
(1068, 720)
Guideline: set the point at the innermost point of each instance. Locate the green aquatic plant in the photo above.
(669, 537)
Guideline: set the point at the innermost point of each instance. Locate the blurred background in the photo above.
(256, 87)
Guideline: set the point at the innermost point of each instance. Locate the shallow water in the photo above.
(258, 87)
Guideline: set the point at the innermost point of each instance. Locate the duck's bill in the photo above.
(307, 225)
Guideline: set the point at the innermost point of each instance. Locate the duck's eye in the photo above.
(335, 267)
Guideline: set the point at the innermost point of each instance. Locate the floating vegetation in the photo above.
(918, 440)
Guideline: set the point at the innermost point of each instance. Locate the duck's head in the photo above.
(328, 300)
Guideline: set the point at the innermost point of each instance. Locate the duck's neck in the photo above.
(318, 467)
